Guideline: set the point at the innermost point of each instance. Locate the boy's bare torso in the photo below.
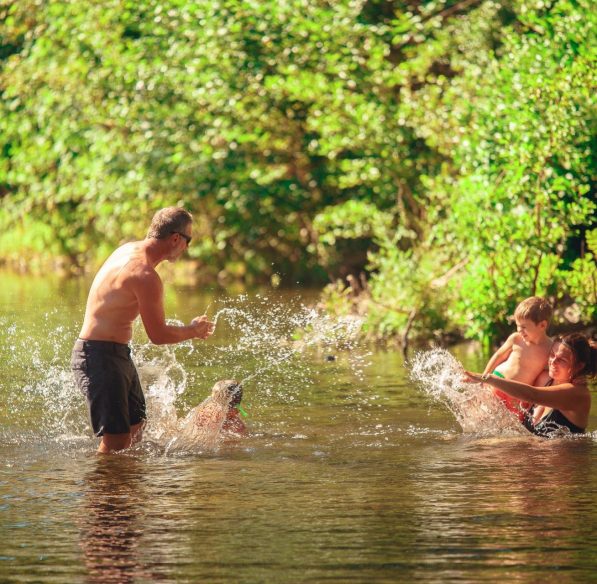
(526, 360)
(112, 305)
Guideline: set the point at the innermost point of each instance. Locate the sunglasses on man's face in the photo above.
(184, 236)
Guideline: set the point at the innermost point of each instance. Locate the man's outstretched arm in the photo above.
(150, 296)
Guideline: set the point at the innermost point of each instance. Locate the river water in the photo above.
(350, 472)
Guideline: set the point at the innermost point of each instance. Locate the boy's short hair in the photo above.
(535, 309)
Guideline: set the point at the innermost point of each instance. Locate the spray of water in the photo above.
(268, 353)
(319, 330)
(166, 380)
(473, 405)
(39, 399)
(265, 343)
(276, 349)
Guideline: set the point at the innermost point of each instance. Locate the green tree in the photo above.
(447, 143)
(510, 112)
(256, 115)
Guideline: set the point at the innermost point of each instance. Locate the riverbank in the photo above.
(339, 301)
(388, 323)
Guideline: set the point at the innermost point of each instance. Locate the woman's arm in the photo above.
(564, 396)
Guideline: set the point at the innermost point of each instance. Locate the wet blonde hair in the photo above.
(227, 392)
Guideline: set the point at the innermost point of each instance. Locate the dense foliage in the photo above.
(445, 147)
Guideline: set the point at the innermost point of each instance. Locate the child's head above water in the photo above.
(532, 318)
(535, 309)
(228, 391)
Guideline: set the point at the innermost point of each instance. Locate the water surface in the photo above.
(350, 472)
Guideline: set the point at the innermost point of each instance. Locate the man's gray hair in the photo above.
(167, 221)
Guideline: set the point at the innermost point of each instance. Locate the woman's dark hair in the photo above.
(583, 351)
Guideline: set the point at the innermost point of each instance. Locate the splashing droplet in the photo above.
(474, 405)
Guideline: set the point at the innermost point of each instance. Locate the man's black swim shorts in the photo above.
(106, 374)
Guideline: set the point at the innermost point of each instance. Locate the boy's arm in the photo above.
(501, 354)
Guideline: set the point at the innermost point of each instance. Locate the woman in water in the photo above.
(564, 402)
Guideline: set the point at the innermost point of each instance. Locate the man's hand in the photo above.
(204, 328)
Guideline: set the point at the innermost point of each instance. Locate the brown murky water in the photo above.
(349, 473)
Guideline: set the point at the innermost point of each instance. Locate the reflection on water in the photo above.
(514, 505)
(112, 519)
(349, 473)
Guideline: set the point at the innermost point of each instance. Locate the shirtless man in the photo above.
(524, 355)
(126, 286)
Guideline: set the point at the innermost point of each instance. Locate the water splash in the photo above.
(473, 405)
(279, 350)
(40, 403)
(275, 353)
(319, 330)
(269, 345)
(230, 311)
(164, 379)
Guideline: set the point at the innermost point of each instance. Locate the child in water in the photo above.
(216, 416)
(233, 423)
(524, 355)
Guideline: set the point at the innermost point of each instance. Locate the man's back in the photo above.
(112, 305)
